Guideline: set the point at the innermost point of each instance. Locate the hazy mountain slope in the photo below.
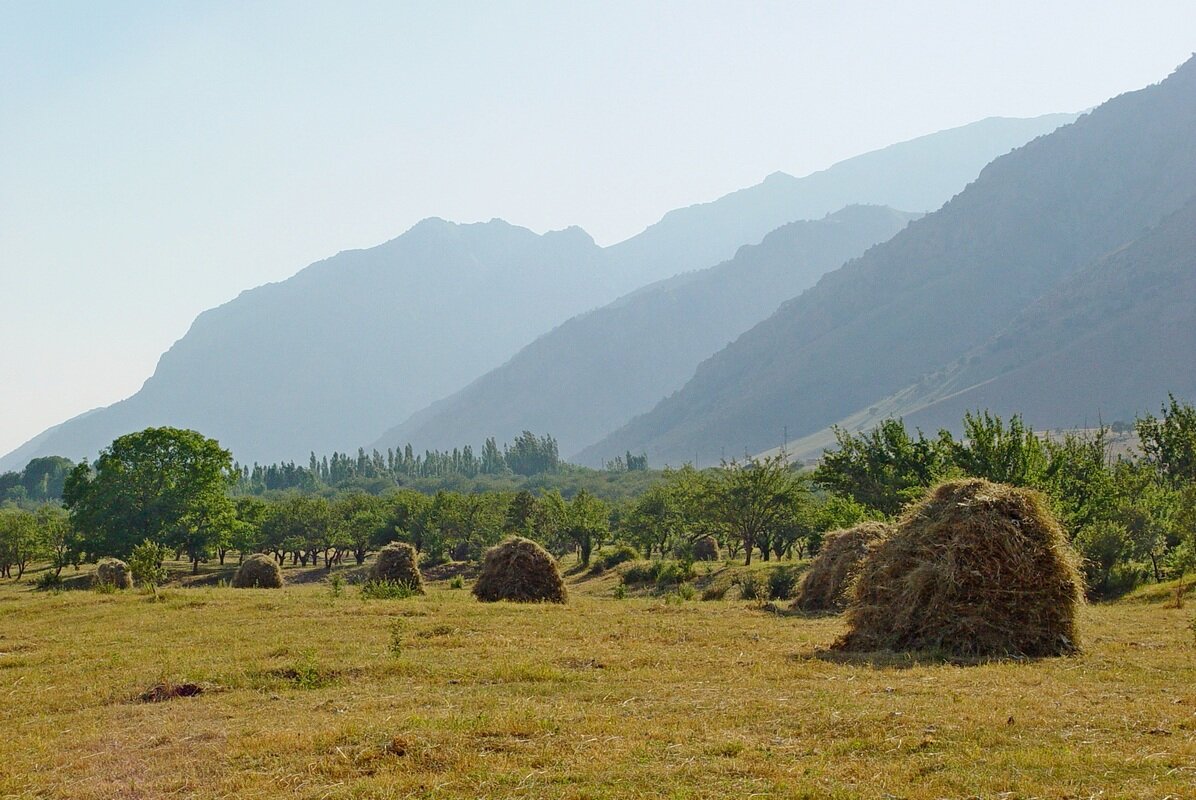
(920, 175)
(1106, 344)
(596, 371)
(339, 352)
(942, 286)
(327, 358)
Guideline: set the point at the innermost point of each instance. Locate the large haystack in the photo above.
(397, 563)
(259, 571)
(975, 569)
(827, 584)
(114, 572)
(518, 569)
(706, 549)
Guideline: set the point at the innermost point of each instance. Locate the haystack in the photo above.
(259, 571)
(706, 549)
(828, 581)
(114, 572)
(397, 563)
(518, 569)
(975, 569)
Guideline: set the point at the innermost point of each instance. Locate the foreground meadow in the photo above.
(311, 694)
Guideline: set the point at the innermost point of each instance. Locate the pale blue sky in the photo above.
(157, 158)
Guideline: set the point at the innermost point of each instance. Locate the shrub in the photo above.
(705, 549)
(387, 590)
(145, 563)
(750, 587)
(828, 581)
(686, 591)
(663, 573)
(457, 582)
(115, 573)
(781, 582)
(397, 563)
(48, 581)
(518, 569)
(259, 571)
(974, 569)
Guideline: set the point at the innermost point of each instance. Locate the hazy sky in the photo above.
(156, 158)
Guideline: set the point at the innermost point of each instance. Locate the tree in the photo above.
(61, 540)
(990, 450)
(155, 484)
(1169, 443)
(883, 468)
(587, 523)
(20, 541)
(755, 498)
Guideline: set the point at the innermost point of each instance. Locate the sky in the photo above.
(157, 158)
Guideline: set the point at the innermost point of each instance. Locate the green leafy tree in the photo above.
(1169, 442)
(587, 523)
(155, 484)
(21, 541)
(989, 449)
(62, 542)
(755, 498)
(884, 468)
(146, 563)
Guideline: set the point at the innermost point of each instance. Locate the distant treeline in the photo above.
(41, 480)
(529, 455)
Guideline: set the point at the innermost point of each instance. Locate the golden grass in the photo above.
(313, 696)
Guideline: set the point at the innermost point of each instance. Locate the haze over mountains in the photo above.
(1080, 202)
(596, 371)
(351, 345)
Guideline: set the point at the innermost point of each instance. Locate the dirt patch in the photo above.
(161, 692)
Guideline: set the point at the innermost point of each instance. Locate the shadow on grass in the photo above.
(899, 660)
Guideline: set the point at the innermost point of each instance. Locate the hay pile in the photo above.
(706, 549)
(975, 569)
(259, 571)
(827, 584)
(114, 572)
(397, 563)
(518, 569)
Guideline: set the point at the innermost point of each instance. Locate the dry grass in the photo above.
(522, 571)
(974, 569)
(441, 696)
(830, 576)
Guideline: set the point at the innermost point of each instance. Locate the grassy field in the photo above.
(311, 695)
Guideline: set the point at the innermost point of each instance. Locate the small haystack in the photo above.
(827, 584)
(975, 569)
(706, 549)
(397, 563)
(518, 569)
(259, 571)
(114, 572)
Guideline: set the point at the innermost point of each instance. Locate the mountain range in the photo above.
(348, 347)
(1044, 287)
(593, 373)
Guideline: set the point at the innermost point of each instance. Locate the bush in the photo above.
(827, 584)
(387, 590)
(396, 563)
(705, 549)
(663, 573)
(751, 588)
(974, 569)
(145, 563)
(48, 581)
(113, 572)
(259, 571)
(781, 582)
(457, 582)
(686, 591)
(520, 570)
